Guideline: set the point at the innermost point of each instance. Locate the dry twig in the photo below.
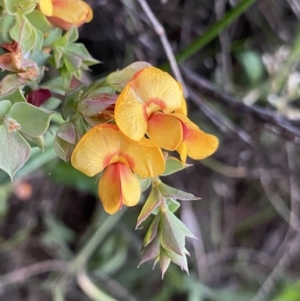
(24, 273)
(281, 125)
(165, 42)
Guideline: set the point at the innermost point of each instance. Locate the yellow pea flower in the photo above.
(105, 148)
(152, 103)
(148, 92)
(66, 13)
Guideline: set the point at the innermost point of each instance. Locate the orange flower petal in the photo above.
(72, 11)
(130, 115)
(106, 144)
(46, 7)
(153, 85)
(147, 157)
(165, 130)
(183, 106)
(118, 186)
(94, 149)
(149, 91)
(200, 145)
(182, 150)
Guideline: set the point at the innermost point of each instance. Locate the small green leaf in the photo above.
(72, 35)
(67, 131)
(170, 192)
(9, 83)
(21, 31)
(145, 183)
(15, 6)
(70, 103)
(14, 96)
(14, 151)
(172, 204)
(173, 165)
(39, 21)
(6, 23)
(65, 140)
(56, 85)
(177, 223)
(39, 56)
(179, 260)
(52, 37)
(5, 106)
(33, 121)
(164, 261)
(152, 231)
(94, 105)
(152, 250)
(171, 239)
(36, 141)
(153, 201)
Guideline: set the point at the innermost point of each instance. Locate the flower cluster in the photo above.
(120, 128)
(149, 115)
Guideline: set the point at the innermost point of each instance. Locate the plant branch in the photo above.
(288, 129)
(160, 31)
(24, 273)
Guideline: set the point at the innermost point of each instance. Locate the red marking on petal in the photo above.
(121, 157)
(137, 74)
(156, 102)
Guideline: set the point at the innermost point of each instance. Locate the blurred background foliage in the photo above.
(248, 220)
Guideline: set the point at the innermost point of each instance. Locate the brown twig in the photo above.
(219, 120)
(160, 31)
(24, 273)
(288, 129)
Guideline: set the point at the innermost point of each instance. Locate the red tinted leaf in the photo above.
(38, 97)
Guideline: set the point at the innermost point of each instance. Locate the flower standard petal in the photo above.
(153, 85)
(149, 91)
(130, 114)
(118, 185)
(96, 148)
(165, 130)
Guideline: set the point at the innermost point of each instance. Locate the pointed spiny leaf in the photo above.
(179, 260)
(152, 250)
(170, 192)
(171, 239)
(164, 261)
(173, 165)
(153, 201)
(176, 222)
(152, 231)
